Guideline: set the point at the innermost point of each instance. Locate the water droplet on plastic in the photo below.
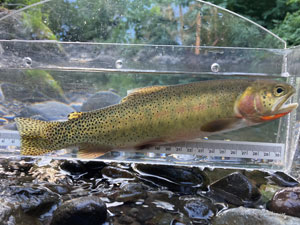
(215, 67)
(119, 63)
(27, 61)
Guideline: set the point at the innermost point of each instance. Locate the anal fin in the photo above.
(149, 144)
(89, 151)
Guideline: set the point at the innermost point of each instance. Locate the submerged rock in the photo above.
(80, 211)
(286, 201)
(50, 110)
(236, 189)
(99, 100)
(244, 216)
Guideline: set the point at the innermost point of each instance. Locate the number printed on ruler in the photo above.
(235, 149)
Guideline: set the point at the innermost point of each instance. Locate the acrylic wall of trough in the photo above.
(57, 57)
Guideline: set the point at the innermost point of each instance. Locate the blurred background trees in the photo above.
(280, 16)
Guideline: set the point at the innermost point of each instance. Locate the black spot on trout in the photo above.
(161, 114)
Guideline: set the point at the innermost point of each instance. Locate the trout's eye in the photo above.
(279, 91)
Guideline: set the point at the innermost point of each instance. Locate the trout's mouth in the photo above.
(282, 107)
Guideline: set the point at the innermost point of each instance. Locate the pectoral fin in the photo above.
(219, 125)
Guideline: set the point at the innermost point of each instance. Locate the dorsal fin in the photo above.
(74, 115)
(142, 91)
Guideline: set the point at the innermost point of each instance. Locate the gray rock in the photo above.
(50, 110)
(11, 92)
(244, 216)
(99, 100)
(80, 211)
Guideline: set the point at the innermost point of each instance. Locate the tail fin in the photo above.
(37, 137)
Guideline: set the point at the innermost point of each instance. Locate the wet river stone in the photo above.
(83, 169)
(20, 205)
(286, 201)
(99, 100)
(244, 216)
(178, 179)
(236, 189)
(80, 211)
(283, 179)
(33, 201)
(131, 192)
(115, 172)
(198, 209)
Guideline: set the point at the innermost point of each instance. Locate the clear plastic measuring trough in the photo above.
(57, 50)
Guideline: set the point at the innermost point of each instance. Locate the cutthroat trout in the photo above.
(161, 114)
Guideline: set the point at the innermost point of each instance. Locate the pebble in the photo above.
(236, 189)
(131, 192)
(199, 209)
(245, 216)
(286, 201)
(80, 211)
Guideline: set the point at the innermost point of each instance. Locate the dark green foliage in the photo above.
(280, 16)
(264, 12)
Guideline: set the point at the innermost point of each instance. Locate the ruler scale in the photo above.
(234, 149)
(199, 147)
